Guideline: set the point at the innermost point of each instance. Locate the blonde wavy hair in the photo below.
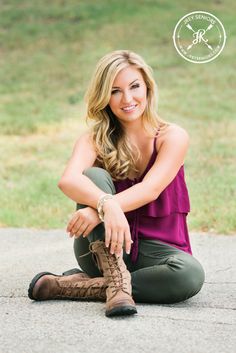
(115, 153)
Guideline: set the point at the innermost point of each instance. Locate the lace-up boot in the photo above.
(46, 286)
(119, 291)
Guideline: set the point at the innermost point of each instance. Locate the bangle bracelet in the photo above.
(100, 204)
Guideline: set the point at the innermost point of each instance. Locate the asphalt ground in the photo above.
(203, 324)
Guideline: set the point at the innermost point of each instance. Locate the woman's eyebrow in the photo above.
(129, 84)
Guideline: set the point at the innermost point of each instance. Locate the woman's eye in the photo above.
(116, 90)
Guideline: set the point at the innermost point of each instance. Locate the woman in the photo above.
(126, 175)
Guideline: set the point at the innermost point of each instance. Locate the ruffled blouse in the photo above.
(163, 219)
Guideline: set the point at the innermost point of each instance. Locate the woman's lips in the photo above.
(129, 109)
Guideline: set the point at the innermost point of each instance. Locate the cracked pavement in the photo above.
(204, 323)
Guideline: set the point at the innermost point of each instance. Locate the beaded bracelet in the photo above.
(100, 204)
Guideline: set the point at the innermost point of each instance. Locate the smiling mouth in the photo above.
(129, 108)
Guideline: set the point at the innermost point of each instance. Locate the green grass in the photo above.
(48, 53)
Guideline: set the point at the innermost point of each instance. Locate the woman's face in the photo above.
(128, 95)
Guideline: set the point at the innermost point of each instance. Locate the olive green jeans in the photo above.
(162, 273)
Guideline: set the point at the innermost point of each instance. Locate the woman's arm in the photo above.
(169, 160)
(170, 157)
(73, 183)
(81, 189)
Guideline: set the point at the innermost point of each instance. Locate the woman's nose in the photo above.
(127, 97)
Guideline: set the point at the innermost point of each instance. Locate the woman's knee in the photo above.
(190, 278)
(196, 275)
(101, 178)
(178, 278)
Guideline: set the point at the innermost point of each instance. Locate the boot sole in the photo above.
(121, 311)
(33, 282)
(41, 274)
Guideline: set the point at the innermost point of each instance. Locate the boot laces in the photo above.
(81, 290)
(117, 278)
(117, 281)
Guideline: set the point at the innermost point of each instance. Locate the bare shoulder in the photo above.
(173, 132)
(86, 136)
(173, 136)
(84, 153)
(86, 140)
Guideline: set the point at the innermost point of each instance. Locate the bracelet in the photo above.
(100, 204)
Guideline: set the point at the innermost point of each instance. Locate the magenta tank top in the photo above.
(163, 219)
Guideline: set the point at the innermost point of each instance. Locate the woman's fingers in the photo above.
(77, 227)
(117, 240)
(119, 244)
(87, 231)
(82, 222)
(128, 241)
(81, 230)
(108, 237)
(113, 242)
(72, 222)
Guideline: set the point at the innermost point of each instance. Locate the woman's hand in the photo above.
(116, 227)
(83, 222)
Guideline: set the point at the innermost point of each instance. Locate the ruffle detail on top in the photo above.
(173, 199)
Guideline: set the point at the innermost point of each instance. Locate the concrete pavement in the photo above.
(203, 324)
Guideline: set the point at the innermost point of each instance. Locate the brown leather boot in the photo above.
(119, 291)
(46, 286)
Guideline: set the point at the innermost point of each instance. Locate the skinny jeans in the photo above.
(162, 274)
